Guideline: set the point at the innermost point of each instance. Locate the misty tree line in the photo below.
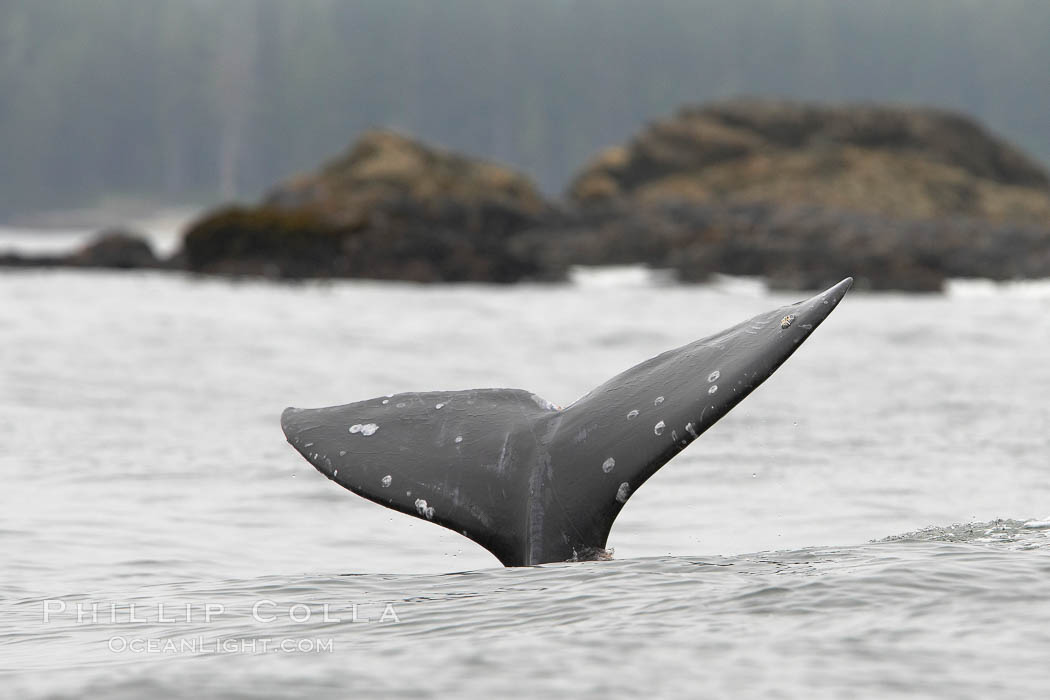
(197, 100)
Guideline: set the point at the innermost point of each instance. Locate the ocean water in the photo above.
(871, 522)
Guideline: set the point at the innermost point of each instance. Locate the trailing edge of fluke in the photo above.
(531, 482)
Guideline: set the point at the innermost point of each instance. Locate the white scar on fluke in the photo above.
(537, 483)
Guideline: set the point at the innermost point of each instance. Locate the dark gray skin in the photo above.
(528, 481)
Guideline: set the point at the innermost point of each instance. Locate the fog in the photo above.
(196, 101)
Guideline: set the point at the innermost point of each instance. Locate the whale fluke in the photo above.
(531, 482)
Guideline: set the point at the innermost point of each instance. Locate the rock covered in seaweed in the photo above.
(116, 249)
(897, 161)
(385, 166)
(390, 208)
(112, 249)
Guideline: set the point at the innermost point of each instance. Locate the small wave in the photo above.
(994, 531)
(619, 276)
(985, 288)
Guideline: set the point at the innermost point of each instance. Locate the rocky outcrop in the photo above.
(800, 194)
(391, 208)
(117, 249)
(900, 162)
(385, 166)
(112, 249)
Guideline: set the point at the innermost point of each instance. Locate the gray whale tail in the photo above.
(531, 482)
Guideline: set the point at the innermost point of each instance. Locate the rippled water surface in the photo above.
(143, 465)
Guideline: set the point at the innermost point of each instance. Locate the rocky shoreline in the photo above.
(799, 194)
(115, 249)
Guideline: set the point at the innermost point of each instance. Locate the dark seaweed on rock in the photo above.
(399, 240)
(800, 247)
(264, 240)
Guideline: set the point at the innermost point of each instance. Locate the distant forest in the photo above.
(200, 100)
